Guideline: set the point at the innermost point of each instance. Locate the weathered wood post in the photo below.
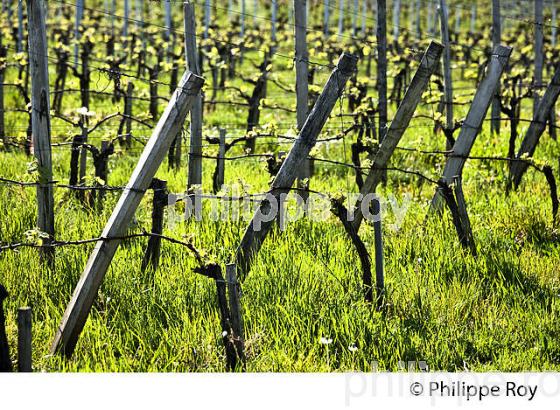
(3, 55)
(473, 122)
(536, 128)
(447, 80)
(242, 28)
(554, 31)
(234, 293)
(379, 259)
(41, 123)
(77, 33)
(265, 215)
(539, 52)
(220, 162)
(430, 60)
(19, 45)
(355, 12)
(125, 19)
(24, 340)
(167, 128)
(326, 18)
(128, 113)
(340, 17)
(191, 52)
(168, 28)
(274, 17)
(151, 256)
(5, 359)
(396, 22)
(418, 19)
(496, 41)
(473, 17)
(302, 86)
(364, 16)
(382, 66)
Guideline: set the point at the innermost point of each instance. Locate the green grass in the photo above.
(497, 311)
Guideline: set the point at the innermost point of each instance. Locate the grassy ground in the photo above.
(498, 311)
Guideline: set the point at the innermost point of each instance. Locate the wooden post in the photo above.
(220, 162)
(195, 149)
(128, 113)
(473, 122)
(151, 256)
(396, 21)
(539, 52)
(364, 16)
(168, 28)
(274, 17)
(263, 219)
(355, 11)
(536, 128)
(24, 340)
(302, 86)
(167, 128)
(242, 32)
(447, 80)
(496, 40)
(428, 64)
(340, 17)
(77, 34)
(3, 55)
(382, 65)
(234, 292)
(457, 23)
(379, 262)
(5, 359)
(19, 44)
(40, 123)
(125, 19)
(554, 31)
(473, 17)
(418, 19)
(326, 15)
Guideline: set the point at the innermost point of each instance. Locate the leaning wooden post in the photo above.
(40, 120)
(430, 60)
(165, 131)
(265, 215)
(382, 66)
(195, 149)
(447, 80)
(473, 122)
(496, 40)
(24, 340)
(539, 52)
(234, 293)
(302, 87)
(5, 359)
(536, 128)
